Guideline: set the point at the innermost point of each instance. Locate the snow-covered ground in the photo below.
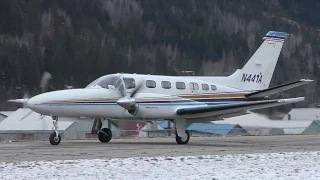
(293, 165)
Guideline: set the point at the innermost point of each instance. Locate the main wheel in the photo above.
(54, 140)
(104, 135)
(183, 140)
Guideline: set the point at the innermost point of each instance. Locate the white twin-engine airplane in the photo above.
(181, 99)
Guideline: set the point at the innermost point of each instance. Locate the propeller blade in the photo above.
(122, 93)
(136, 90)
(45, 81)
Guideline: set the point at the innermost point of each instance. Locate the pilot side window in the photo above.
(213, 87)
(194, 86)
(150, 84)
(165, 84)
(205, 87)
(180, 85)
(129, 82)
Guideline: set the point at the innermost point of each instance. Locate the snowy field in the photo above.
(295, 165)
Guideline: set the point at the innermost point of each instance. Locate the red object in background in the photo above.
(138, 125)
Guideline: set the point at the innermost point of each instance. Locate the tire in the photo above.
(183, 140)
(53, 140)
(104, 135)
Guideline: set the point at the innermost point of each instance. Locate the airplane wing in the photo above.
(222, 111)
(277, 89)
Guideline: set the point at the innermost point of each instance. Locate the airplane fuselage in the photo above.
(157, 98)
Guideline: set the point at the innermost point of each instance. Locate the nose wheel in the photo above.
(55, 137)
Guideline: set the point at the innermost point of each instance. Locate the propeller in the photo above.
(137, 89)
(129, 102)
(44, 82)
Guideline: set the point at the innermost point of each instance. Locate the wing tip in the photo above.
(291, 100)
(306, 80)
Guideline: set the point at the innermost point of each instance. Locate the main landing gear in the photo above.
(183, 140)
(55, 137)
(182, 135)
(104, 135)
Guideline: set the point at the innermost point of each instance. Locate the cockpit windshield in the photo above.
(93, 82)
(108, 82)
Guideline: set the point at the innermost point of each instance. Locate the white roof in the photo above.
(26, 119)
(304, 114)
(6, 113)
(259, 120)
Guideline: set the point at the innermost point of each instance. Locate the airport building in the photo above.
(258, 124)
(303, 114)
(25, 124)
(163, 128)
(4, 115)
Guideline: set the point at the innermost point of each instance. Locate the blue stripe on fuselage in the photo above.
(159, 103)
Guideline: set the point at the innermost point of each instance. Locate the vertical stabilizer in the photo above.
(257, 72)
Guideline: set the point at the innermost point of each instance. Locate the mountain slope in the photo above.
(79, 40)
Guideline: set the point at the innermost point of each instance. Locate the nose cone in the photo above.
(35, 102)
(67, 102)
(42, 103)
(127, 103)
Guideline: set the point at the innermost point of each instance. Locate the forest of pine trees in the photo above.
(78, 40)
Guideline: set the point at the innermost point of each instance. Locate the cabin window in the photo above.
(129, 82)
(205, 87)
(165, 84)
(213, 87)
(194, 86)
(150, 84)
(180, 85)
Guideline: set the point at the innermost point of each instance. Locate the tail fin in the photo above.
(257, 72)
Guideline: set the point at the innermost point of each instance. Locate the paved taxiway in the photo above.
(89, 149)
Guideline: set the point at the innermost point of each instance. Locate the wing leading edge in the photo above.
(206, 111)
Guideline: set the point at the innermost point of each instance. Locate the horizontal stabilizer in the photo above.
(277, 89)
(276, 34)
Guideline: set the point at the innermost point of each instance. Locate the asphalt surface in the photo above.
(137, 147)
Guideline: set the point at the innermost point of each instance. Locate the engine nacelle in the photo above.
(134, 110)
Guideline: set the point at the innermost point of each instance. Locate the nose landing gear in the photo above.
(55, 137)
